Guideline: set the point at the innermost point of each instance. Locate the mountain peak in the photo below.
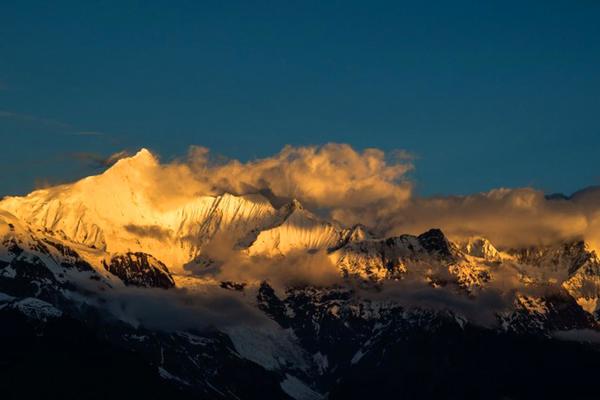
(434, 241)
(358, 232)
(480, 247)
(296, 205)
(293, 205)
(143, 152)
(140, 160)
(143, 156)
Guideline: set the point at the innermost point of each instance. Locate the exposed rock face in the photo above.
(429, 256)
(140, 269)
(435, 242)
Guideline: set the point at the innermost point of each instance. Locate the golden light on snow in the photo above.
(172, 210)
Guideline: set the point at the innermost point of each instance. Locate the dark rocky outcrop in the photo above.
(140, 269)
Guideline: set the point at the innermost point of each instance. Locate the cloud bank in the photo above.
(179, 309)
(348, 185)
(354, 186)
(508, 217)
(372, 188)
(297, 268)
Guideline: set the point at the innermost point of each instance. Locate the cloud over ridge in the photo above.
(371, 188)
(353, 185)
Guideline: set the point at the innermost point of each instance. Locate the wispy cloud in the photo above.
(67, 129)
(34, 119)
(96, 160)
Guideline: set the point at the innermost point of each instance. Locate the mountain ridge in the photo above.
(234, 283)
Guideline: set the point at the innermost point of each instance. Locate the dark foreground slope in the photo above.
(472, 364)
(62, 359)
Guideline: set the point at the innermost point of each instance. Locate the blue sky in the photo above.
(484, 94)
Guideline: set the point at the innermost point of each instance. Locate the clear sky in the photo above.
(485, 94)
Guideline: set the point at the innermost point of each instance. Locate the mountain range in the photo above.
(109, 289)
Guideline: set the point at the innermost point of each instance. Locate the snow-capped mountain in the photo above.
(107, 260)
